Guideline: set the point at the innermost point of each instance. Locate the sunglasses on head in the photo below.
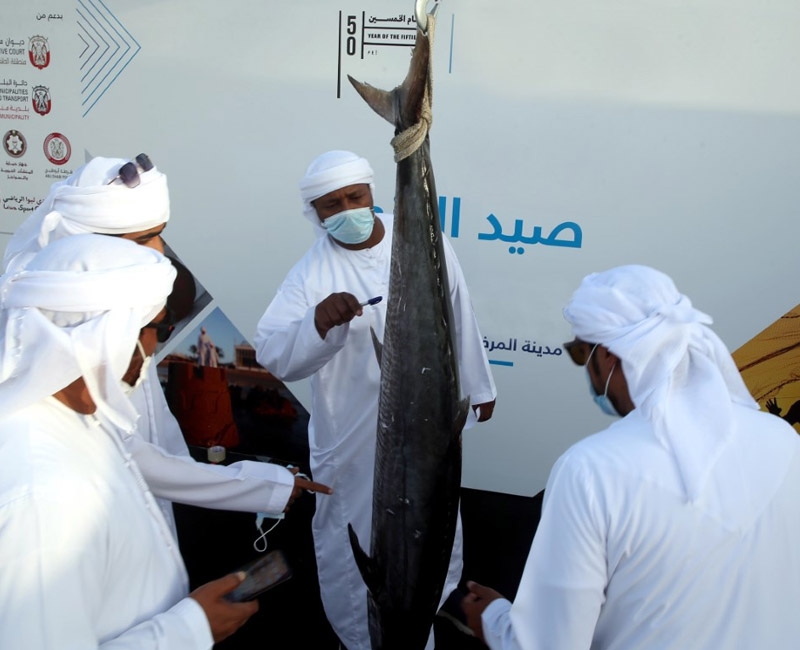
(129, 172)
(163, 328)
(579, 351)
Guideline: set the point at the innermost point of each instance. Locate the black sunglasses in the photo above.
(579, 351)
(163, 328)
(129, 172)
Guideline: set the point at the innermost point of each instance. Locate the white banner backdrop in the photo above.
(568, 137)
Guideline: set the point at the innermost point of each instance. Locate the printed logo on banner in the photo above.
(39, 52)
(15, 144)
(362, 34)
(567, 234)
(573, 232)
(41, 100)
(13, 51)
(57, 148)
(16, 170)
(109, 52)
(14, 95)
(510, 350)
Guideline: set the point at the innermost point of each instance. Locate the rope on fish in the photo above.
(411, 139)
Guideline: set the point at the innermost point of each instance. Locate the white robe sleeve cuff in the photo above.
(199, 631)
(497, 628)
(183, 626)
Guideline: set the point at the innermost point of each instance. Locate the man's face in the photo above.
(579, 351)
(150, 238)
(349, 197)
(148, 337)
(582, 354)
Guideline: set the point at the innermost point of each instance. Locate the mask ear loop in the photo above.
(260, 516)
(262, 538)
(142, 368)
(608, 381)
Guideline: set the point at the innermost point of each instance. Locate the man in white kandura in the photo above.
(206, 350)
(129, 199)
(676, 527)
(86, 557)
(315, 327)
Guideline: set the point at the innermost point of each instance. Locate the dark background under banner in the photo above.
(498, 529)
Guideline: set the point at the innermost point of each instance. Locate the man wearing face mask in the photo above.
(129, 199)
(676, 527)
(86, 557)
(316, 327)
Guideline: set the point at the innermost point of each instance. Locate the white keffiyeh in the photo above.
(76, 311)
(86, 203)
(328, 172)
(679, 373)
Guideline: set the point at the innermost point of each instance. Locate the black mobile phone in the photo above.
(261, 574)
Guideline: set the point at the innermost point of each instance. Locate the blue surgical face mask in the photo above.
(351, 226)
(603, 401)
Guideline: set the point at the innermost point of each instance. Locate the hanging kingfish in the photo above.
(420, 417)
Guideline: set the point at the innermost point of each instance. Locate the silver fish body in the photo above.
(420, 418)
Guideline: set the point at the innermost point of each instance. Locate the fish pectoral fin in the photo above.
(365, 564)
(383, 102)
(377, 345)
(461, 415)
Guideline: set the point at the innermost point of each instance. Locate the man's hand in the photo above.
(336, 309)
(486, 410)
(301, 484)
(474, 603)
(224, 617)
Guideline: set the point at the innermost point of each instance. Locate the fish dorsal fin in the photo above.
(377, 345)
(365, 564)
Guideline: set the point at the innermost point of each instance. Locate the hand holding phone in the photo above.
(224, 617)
(260, 575)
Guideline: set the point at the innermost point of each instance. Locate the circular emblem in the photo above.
(57, 148)
(41, 100)
(39, 52)
(14, 143)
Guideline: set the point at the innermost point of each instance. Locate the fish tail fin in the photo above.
(377, 345)
(365, 564)
(461, 415)
(383, 102)
(402, 106)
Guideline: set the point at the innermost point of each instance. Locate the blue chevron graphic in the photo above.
(109, 48)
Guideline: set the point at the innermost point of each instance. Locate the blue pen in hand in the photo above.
(371, 301)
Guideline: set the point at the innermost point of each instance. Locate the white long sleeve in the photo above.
(54, 586)
(246, 486)
(172, 474)
(287, 342)
(86, 559)
(622, 561)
